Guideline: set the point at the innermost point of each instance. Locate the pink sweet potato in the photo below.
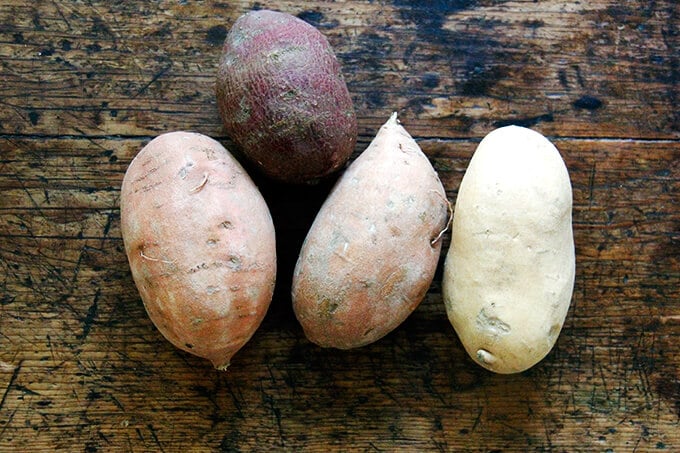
(371, 253)
(282, 97)
(200, 243)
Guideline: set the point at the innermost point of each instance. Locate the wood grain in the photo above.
(87, 84)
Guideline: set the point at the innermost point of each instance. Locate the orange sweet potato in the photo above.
(200, 242)
(371, 253)
(282, 97)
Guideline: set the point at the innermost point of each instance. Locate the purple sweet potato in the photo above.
(282, 97)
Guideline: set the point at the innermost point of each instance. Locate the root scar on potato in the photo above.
(201, 184)
(449, 206)
(486, 357)
(141, 253)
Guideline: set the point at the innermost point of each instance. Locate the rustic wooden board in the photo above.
(85, 84)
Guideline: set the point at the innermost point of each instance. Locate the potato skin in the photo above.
(371, 253)
(200, 242)
(282, 97)
(509, 272)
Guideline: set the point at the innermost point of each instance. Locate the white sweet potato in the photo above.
(509, 273)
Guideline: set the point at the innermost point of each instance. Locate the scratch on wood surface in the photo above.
(273, 407)
(109, 221)
(49, 345)
(157, 76)
(591, 183)
(18, 110)
(61, 14)
(669, 319)
(8, 422)
(477, 419)
(235, 400)
(155, 437)
(15, 373)
(117, 402)
(88, 320)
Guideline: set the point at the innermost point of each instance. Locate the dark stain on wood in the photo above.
(93, 48)
(166, 31)
(669, 388)
(429, 18)
(216, 35)
(587, 102)
(33, 117)
(317, 19)
(526, 122)
(480, 79)
(372, 51)
(430, 80)
(100, 28)
(375, 99)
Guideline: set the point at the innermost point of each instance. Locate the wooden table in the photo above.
(85, 84)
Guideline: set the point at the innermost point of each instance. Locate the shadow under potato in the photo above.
(293, 208)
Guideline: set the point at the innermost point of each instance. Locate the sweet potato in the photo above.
(509, 273)
(282, 97)
(371, 253)
(200, 242)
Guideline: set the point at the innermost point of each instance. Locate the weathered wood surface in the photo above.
(85, 84)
